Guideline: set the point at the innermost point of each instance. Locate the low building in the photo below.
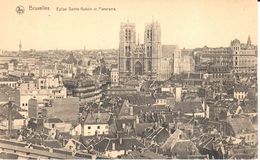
(114, 76)
(240, 92)
(115, 147)
(84, 87)
(66, 109)
(242, 128)
(96, 124)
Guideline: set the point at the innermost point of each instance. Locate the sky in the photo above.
(186, 23)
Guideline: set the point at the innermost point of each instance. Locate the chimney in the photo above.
(10, 121)
(180, 136)
(113, 146)
(137, 119)
(131, 110)
(120, 140)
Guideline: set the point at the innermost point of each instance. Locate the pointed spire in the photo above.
(138, 42)
(20, 46)
(249, 41)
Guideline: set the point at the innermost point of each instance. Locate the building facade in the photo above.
(244, 56)
(139, 59)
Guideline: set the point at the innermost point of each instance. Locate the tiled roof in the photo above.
(249, 106)
(188, 107)
(3, 97)
(184, 148)
(97, 118)
(52, 144)
(15, 113)
(241, 125)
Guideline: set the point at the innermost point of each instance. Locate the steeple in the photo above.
(138, 42)
(20, 46)
(249, 41)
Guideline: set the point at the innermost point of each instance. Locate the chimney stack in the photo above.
(131, 110)
(120, 140)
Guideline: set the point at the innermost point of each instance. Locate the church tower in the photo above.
(127, 43)
(153, 50)
(20, 47)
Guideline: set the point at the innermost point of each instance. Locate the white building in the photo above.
(96, 124)
(38, 90)
(114, 76)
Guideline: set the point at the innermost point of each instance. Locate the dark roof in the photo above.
(15, 113)
(184, 148)
(54, 120)
(141, 127)
(52, 144)
(137, 99)
(97, 118)
(240, 88)
(126, 144)
(146, 154)
(249, 106)
(3, 97)
(241, 125)
(188, 107)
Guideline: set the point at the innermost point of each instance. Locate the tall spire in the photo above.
(20, 46)
(249, 41)
(138, 42)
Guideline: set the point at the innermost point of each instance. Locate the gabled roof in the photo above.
(97, 118)
(249, 106)
(241, 125)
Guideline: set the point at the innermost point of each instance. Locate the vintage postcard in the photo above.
(128, 79)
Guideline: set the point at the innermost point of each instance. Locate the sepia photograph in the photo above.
(128, 79)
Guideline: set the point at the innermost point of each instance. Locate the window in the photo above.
(89, 127)
(98, 127)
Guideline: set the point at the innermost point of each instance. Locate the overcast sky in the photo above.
(187, 23)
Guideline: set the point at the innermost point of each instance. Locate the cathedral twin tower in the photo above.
(139, 59)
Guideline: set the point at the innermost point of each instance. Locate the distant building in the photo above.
(139, 59)
(84, 87)
(121, 91)
(219, 73)
(167, 68)
(240, 92)
(242, 127)
(244, 56)
(114, 76)
(66, 109)
(218, 56)
(31, 90)
(11, 82)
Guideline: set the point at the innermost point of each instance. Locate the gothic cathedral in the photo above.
(139, 59)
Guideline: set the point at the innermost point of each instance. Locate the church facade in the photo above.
(139, 59)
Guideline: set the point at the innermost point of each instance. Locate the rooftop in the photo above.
(97, 118)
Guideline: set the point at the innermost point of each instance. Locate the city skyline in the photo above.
(191, 25)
